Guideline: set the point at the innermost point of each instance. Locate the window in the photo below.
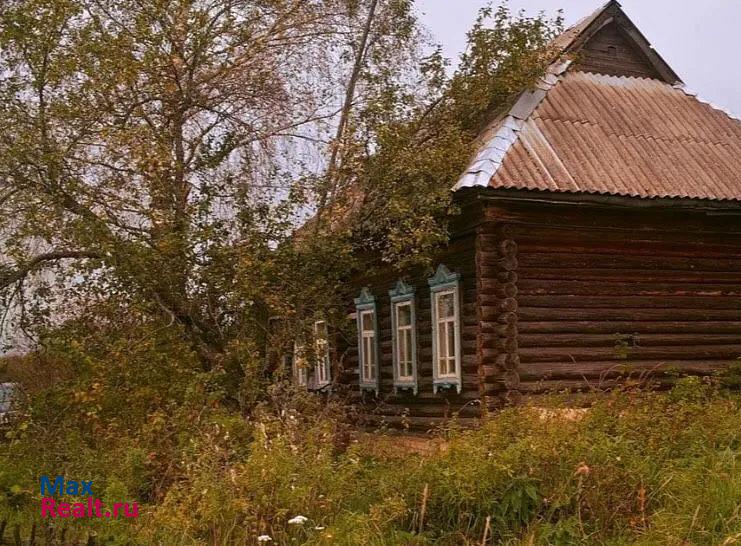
(367, 340)
(321, 347)
(446, 316)
(404, 337)
(300, 366)
(446, 339)
(368, 347)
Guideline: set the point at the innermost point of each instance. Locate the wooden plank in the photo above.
(619, 301)
(634, 314)
(569, 287)
(521, 219)
(580, 339)
(617, 326)
(602, 271)
(579, 354)
(633, 248)
(608, 51)
(592, 370)
(600, 257)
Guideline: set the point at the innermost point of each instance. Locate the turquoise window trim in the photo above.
(441, 282)
(402, 293)
(367, 302)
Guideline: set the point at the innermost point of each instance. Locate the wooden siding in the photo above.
(426, 409)
(611, 52)
(603, 295)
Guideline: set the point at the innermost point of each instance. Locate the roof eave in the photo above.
(711, 206)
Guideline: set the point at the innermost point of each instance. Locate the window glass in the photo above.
(367, 321)
(404, 339)
(446, 360)
(300, 369)
(405, 368)
(446, 343)
(446, 305)
(321, 369)
(404, 314)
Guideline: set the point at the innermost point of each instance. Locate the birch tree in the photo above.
(147, 146)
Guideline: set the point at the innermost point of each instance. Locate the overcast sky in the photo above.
(701, 41)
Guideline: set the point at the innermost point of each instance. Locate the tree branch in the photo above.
(10, 276)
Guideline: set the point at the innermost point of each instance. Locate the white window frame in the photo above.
(322, 366)
(446, 323)
(300, 372)
(443, 283)
(403, 295)
(368, 371)
(365, 305)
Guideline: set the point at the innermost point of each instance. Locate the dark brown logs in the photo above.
(499, 308)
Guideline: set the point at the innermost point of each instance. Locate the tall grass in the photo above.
(635, 468)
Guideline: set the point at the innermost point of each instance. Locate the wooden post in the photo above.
(423, 508)
(485, 538)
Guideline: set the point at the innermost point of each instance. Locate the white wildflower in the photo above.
(298, 520)
(264, 538)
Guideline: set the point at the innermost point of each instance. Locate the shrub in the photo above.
(634, 468)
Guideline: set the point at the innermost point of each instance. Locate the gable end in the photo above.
(607, 42)
(610, 51)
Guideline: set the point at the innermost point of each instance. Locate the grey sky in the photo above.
(700, 40)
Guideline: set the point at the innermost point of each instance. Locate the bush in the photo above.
(149, 426)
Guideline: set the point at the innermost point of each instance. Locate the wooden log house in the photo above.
(601, 241)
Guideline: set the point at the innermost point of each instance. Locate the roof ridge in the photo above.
(620, 76)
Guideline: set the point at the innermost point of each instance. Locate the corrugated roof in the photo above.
(625, 136)
(619, 135)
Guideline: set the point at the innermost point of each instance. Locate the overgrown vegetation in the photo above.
(631, 468)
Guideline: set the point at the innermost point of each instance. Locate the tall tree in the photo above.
(146, 145)
(158, 155)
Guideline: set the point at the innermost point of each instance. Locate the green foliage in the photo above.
(631, 468)
(161, 152)
(411, 147)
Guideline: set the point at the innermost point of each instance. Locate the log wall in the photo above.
(603, 295)
(424, 410)
(567, 297)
